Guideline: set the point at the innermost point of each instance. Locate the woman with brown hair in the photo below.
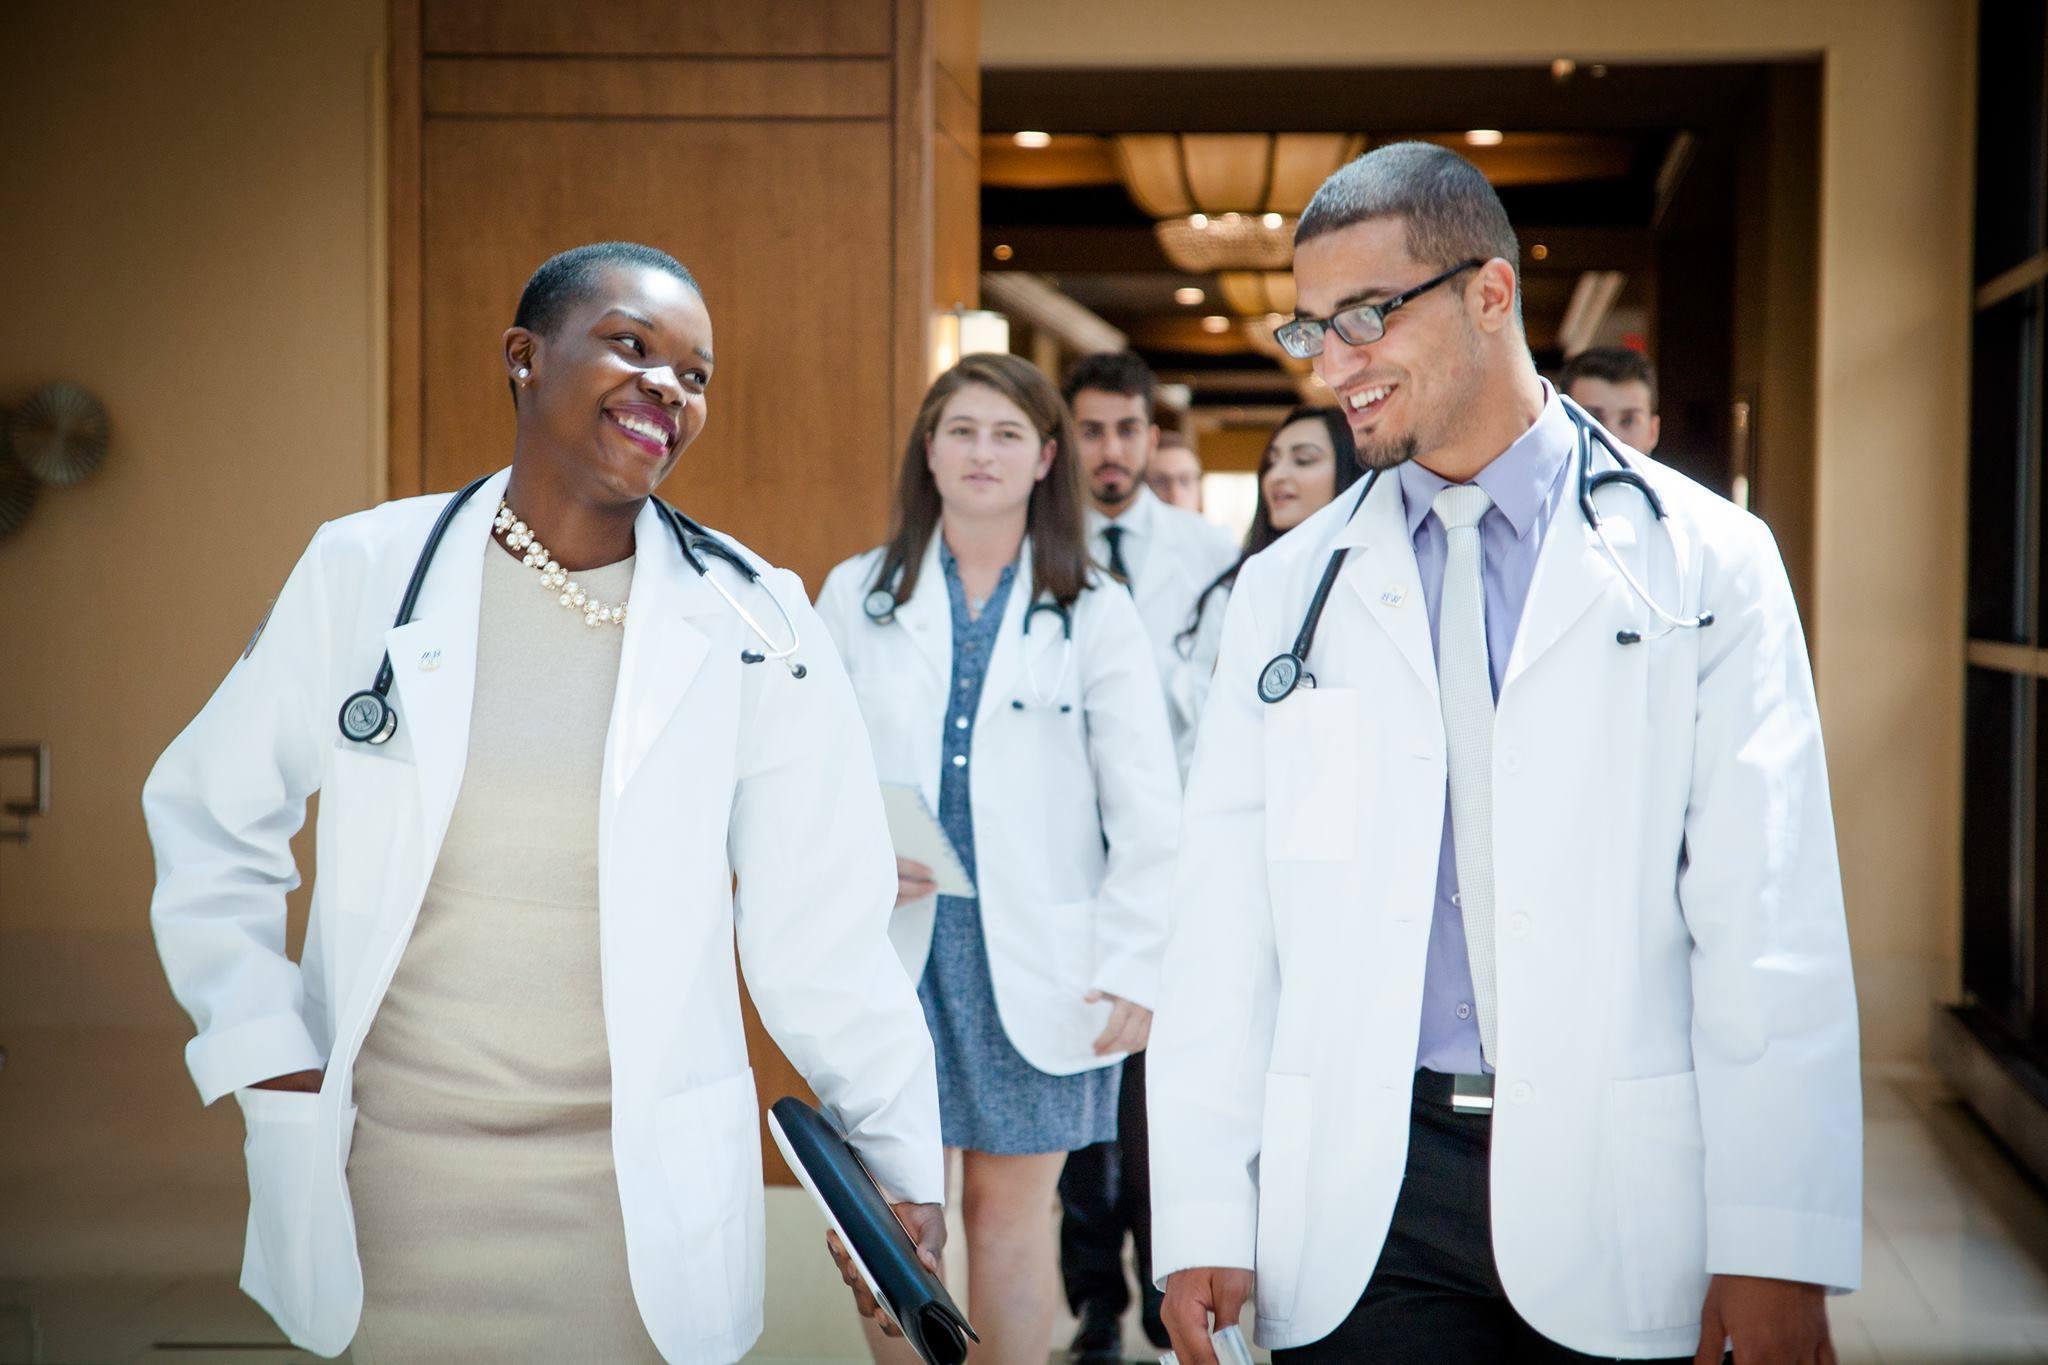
(1008, 681)
(1308, 462)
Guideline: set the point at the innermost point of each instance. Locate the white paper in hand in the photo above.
(918, 836)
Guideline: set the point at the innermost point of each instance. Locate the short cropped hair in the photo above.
(1123, 372)
(1614, 364)
(569, 277)
(1451, 212)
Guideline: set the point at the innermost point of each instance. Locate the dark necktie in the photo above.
(1115, 536)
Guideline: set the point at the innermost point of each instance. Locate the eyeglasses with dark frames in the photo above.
(1359, 325)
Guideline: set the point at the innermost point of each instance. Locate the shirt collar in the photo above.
(1518, 480)
(1136, 520)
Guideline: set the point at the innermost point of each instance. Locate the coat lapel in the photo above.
(663, 649)
(1012, 647)
(927, 618)
(1381, 571)
(1571, 574)
(433, 657)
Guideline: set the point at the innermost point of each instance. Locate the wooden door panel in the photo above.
(722, 28)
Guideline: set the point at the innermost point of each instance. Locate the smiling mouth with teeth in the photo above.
(1369, 400)
(651, 432)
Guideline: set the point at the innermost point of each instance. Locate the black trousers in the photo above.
(1106, 1193)
(1435, 1297)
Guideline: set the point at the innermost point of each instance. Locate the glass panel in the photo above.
(2009, 134)
(1991, 805)
(2003, 372)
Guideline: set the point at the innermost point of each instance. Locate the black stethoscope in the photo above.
(368, 717)
(1285, 672)
(880, 608)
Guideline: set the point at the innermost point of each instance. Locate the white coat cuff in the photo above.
(1129, 981)
(1786, 1244)
(1185, 1236)
(906, 1174)
(224, 1060)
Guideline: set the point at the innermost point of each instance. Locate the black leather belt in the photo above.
(1464, 1094)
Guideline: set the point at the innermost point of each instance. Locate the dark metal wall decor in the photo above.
(58, 435)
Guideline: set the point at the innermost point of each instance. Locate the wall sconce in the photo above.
(958, 332)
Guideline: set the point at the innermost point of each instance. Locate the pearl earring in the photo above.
(523, 372)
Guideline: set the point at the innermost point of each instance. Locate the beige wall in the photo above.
(190, 230)
(1887, 610)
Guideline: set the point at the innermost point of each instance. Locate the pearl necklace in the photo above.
(553, 577)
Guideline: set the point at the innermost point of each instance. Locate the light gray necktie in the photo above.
(1465, 684)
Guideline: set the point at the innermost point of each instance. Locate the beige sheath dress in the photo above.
(487, 1212)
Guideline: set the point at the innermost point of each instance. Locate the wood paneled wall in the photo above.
(814, 163)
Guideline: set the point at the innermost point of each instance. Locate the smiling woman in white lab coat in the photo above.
(1309, 460)
(1011, 684)
(501, 1109)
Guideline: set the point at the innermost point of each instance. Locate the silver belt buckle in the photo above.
(1472, 1094)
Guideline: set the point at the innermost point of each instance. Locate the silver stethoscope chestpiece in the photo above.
(367, 718)
(880, 605)
(1280, 677)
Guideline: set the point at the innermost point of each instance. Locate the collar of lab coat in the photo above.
(659, 656)
(928, 619)
(1571, 573)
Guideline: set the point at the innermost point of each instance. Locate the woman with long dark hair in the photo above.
(1309, 460)
(1008, 683)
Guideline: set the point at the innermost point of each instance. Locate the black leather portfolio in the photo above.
(882, 1251)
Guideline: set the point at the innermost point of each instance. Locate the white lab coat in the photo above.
(1076, 799)
(1172, 556)
(711, 769)
(1677, 1089)
(1194, 673)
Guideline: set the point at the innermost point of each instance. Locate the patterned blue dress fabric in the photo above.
(990, 1098)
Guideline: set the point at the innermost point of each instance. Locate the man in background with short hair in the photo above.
(1166, 556)
(1619, 387)
(1175, 475)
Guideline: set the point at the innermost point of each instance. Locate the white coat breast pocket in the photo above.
(1312, 776)
(369, 819)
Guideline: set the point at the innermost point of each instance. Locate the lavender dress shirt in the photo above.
(1526, 482)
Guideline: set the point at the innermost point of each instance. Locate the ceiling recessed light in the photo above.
(1562, 68)
(1198, 221)
(1484, 137)
(1188, 296)
(1004, 252)
(1540, 252)
(1215, 324)
(1032, 140)
(1597, 71)
(1273, 221)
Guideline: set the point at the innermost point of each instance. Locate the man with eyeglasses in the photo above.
(1507, 1009)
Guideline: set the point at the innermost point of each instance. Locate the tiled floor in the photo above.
(121, 1262)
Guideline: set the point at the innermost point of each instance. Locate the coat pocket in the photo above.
(1312, 776)
(1283, 1193)
(1657, 1166)
(368, 817)
(710, 1141)
(1073, 959)
(280, 1149)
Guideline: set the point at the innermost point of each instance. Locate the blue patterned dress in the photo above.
(990, 1098)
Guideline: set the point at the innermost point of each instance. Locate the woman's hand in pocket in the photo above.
(1129, 1027)
(307, 1082)
(913, 881)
